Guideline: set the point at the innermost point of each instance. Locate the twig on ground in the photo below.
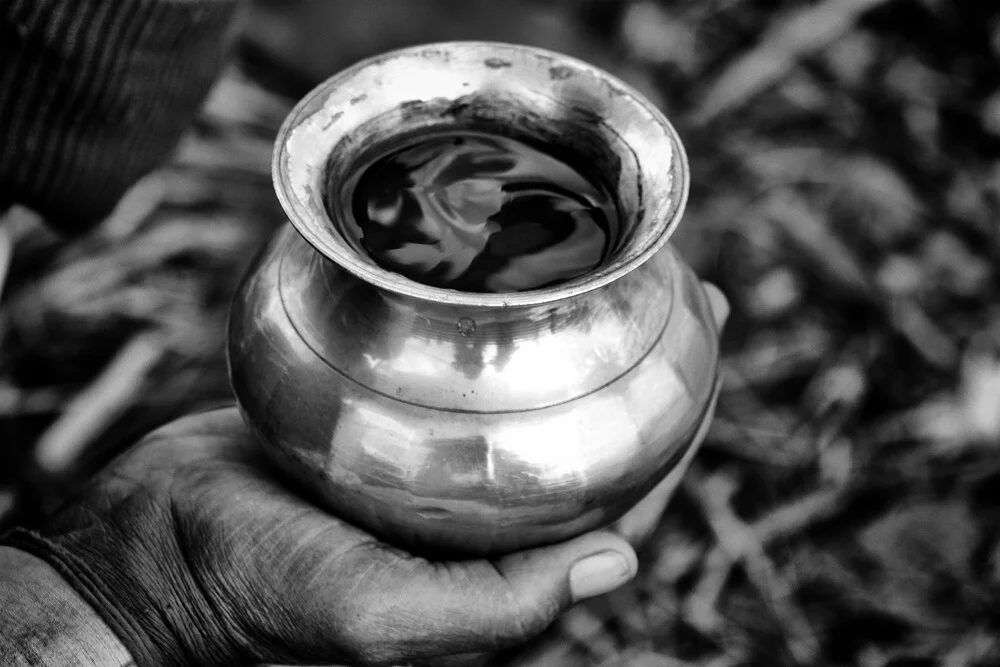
(678, 558)
(791, 37)
(746, 442)
(247, 155)
(17, 401)
(748, 428)
(739, 542)
(551, 651)
(582, 625)
(630, 614)
(647, 658)
(787, 520)
(975, 648)
(136, 206)
(701, 606)
(775, 358)
(808, 230)
(237, 101)
(96, 407)
(797, 515)
(838, 265)
(912, 321)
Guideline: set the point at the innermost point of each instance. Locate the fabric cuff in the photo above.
(79, 577)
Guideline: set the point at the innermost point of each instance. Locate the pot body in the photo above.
(464, 423)
(453, 429)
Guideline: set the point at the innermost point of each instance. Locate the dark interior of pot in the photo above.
(482, 196)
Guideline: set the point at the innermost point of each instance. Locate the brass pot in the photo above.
(463, 423)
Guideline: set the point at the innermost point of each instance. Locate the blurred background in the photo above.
(845, 163)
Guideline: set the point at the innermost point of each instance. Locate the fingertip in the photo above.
(718, 302)
(602, 572)
(592, 564)
(615, 562)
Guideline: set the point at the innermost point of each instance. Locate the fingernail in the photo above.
(598, 574)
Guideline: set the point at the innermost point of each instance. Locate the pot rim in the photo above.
(314, 224)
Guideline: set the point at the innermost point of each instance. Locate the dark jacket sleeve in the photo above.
(95, 93)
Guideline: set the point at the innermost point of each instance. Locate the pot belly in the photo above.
(470, 483)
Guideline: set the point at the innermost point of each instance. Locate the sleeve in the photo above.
(95, 93)
(44, 623)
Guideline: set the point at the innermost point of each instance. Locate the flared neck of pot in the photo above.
(586, 116)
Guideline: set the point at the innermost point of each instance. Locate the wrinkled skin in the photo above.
(212, 559)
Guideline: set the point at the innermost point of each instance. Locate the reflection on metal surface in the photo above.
(464, 423)
(480, 213)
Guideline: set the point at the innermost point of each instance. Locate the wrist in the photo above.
(145, 600)
(45, 622)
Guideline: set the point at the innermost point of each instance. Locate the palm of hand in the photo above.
(253, 572)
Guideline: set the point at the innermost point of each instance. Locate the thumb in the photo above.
(545, 581)
(420, 609)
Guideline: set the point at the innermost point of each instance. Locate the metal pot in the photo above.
(464, 423)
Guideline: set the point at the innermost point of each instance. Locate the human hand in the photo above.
(196, 553)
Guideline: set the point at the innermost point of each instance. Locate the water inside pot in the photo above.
(481, 213)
